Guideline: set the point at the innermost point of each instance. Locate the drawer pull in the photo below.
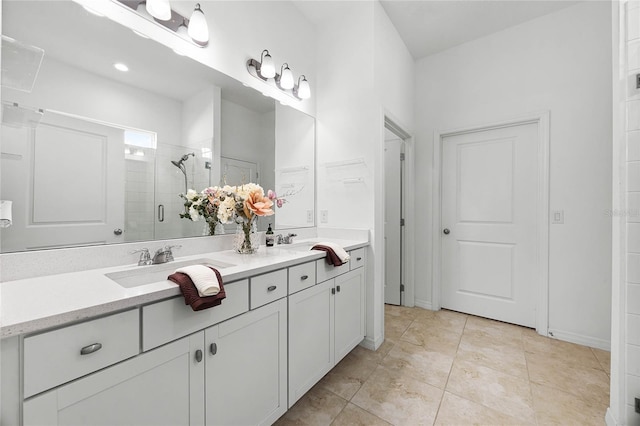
(213, 348)
(358, 259)
(304, 277)
(91, 349)
(333, 291)
(338, 288)
(271, 288)
(198, 355)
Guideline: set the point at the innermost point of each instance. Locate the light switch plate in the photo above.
(309, 216)
(324, 216)
(557, 217)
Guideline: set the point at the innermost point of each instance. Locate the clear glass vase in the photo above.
(247, 239)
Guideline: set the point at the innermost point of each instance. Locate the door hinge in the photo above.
(402, 156)
(402, 222)
(401, 287)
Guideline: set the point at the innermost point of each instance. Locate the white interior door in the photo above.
(236, 172)
(392, 217)
(52, 170)
(489, 196)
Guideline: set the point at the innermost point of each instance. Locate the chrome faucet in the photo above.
(145, 256)
(164, 255)
(288, 239)
(279, 239)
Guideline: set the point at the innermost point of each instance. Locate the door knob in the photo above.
(117, 231)
(446, 231)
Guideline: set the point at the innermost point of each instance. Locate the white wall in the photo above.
(355, 87)
(560, 63)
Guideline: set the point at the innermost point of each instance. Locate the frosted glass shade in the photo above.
(267, 67)
(286, 78)
(304, 90)
(198, 29)
(160, 9)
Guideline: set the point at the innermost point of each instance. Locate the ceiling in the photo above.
(431, 26)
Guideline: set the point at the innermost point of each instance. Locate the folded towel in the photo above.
(335, 255)
(203, 278)
(190, 292)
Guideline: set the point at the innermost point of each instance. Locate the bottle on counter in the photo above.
(269, 237)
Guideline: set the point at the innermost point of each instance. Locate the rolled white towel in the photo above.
(203, 278)
(337, 249)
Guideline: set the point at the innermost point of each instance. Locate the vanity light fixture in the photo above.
(286, 77)
(194, 28)
(159, 9)
(302, 90)
(265, 70)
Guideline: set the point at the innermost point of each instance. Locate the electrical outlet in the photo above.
(557, 217)
(324, 216)
(309, 216)
(638, 405)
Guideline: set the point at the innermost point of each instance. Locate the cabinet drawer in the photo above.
(302, 276)
(357, 258)
(326, 272)
(56, 357)
(171, 319)
(268, 287)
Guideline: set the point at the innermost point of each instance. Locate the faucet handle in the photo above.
(145, 256)
(167, 250)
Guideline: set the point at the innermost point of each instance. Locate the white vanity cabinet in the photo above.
(163, 386)
(326, 322)
(246, 367)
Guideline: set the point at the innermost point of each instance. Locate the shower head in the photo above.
(186, 156)
(178, 164)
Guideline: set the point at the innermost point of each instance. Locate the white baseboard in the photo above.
(580, 339)
(424, 304)
(371, 344)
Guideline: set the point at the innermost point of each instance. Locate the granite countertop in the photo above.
(34, 304)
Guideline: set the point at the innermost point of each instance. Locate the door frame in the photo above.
(408, 240)
(541, 119)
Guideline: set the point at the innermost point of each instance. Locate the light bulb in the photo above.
(198, 29)
(267, 67)
(160, 9)
(286, 77)
(304, 91)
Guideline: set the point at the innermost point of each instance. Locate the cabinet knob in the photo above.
(338, 288)
(213, 348)
(333, 291)
(358, 259)
(198, 355)
(271, 288)
(304, 277)
(94, 347)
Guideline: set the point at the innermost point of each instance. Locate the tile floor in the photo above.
(455, 369)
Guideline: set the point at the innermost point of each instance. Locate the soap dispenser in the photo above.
(269, 237)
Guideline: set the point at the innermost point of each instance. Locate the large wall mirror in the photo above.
(94, 155)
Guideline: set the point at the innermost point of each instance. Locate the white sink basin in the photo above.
(302, 246)
(143, 275)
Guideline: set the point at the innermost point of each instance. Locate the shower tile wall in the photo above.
(633, 212)
(139, 205)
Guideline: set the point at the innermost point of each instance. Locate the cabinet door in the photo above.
(349, 315)
(246, 368)
(161, 387)
(311, 346)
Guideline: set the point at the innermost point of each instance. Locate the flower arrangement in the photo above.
(231, 204)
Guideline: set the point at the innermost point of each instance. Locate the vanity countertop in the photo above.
(35, 304)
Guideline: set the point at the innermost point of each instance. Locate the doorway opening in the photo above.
(398, 286)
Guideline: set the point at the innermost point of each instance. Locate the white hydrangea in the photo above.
(192, 194)
(193, 213)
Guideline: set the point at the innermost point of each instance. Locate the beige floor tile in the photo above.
(394, 327)
(493, 353)
(555, 407)
(560, 351)
(433, 337)
(346, 378)
(318, 407)
(419, 362)
(604, 357)
(492, 388)
(497, 331)
(455, 410)
(443, 319)
(353, 415)
(399, 312)
(400, 400)
(378, 355)
(590, 384)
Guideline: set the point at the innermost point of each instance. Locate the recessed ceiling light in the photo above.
(121, 67)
